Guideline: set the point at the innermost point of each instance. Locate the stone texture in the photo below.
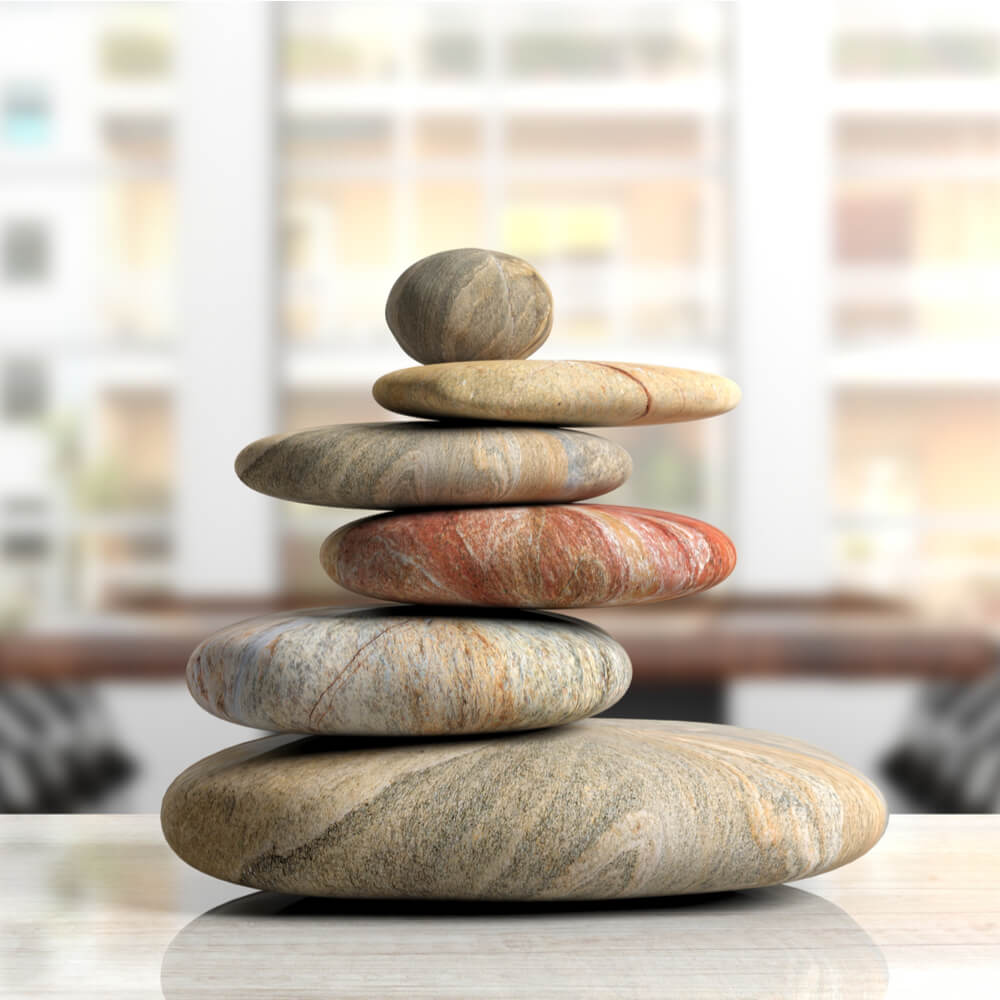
(596, 810)
(547, 556)
(573, 393)
(464, 305)
(422, 464)
(402, 671)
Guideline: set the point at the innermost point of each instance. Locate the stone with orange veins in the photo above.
(568, 393)
(545, 556)
(397, 671)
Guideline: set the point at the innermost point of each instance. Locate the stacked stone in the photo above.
(448, 758)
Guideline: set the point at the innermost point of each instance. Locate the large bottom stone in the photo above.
(599, 809)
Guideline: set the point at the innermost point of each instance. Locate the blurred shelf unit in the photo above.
(87, 104)
(915, 364)
(524, 41)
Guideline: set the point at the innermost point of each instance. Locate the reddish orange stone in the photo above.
(540, 556)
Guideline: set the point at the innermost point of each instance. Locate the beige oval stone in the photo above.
(392, 671)
(461, 305)
(569, 393)
(423, 464)
(599, 809)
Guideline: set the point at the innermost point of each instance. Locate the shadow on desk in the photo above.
(777, 941)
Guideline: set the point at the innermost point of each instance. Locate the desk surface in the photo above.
(98, 906)
(689, 642)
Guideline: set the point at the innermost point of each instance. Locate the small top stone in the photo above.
(469, 305)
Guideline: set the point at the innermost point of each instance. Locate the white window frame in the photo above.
(225, 537)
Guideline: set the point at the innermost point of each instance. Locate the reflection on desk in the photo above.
(98, 906)
(756, 943)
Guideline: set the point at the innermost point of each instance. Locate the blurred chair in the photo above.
(58, 752)
(948, 759)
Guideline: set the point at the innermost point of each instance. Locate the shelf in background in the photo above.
(916, 280)
(912, 362)
(140, 99)
(914, 167)
(916, 95)
(670, 96)
(962, 521)
(510, 168)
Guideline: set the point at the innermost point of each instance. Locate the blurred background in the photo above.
(202, 209)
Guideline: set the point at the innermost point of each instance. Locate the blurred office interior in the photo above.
(203, 206)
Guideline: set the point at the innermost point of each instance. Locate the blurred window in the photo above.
(27, 117)
(591, 139)
(917, 305)
(24, 389)
(24, 547)
(587, 139)
(86, 314)
(26, 251)
(137, 50)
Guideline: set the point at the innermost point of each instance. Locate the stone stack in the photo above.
(444, 749)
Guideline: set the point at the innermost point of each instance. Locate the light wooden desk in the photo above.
(97, 906)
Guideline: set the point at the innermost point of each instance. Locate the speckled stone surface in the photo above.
(596, 810)
(545, 556)
(462, 305)
(423, 464)
(403, 671)
(574, 393)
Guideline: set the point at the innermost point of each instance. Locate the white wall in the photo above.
(858, 721)
(165, 730)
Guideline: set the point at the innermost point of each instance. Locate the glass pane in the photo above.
(950, 41)
(917, 307)
(86, 287)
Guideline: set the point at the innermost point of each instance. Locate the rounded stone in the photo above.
(545, 556)
(600, 809)
(423, 464)
(573, 393)
(467, 305)
(406, 672)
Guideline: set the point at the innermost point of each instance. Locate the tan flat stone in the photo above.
(599, 809)
(423, 464)
(567, 393)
